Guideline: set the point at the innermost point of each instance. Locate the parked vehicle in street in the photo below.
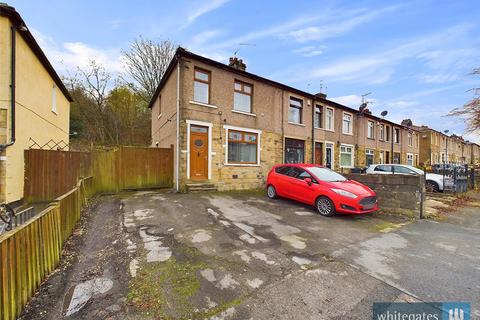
(433, 181)
(327, 190)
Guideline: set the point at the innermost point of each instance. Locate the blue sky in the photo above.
(415, 57)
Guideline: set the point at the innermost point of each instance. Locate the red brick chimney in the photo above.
(237, 63)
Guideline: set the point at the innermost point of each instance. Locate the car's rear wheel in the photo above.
(271, 192)
(432, 186)
(325, 206)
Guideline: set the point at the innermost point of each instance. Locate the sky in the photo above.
(414, 57)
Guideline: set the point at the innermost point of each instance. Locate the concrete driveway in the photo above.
(243, 256)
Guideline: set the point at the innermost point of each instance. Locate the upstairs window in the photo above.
(396, 136)
(347, 123)
(329, 119)
(318, 117)
(201, 86)
(388, 134)
(371, 130)
(410, 139)
(295, 111)
(242, 97)
(382, 132)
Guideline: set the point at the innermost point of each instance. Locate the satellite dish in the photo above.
(384, 113)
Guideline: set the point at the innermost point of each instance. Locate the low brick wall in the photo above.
(396, 193)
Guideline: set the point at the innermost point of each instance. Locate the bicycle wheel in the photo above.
(6, 215)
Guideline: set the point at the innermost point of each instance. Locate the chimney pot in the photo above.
(237, 64)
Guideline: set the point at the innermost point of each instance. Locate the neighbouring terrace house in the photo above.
(437, 147)
(228, 127)
(34, 103)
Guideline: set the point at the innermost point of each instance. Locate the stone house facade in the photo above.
(229, 127)
(436, 147)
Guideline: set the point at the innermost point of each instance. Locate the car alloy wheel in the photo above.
(325, 206)
(431, 186)
(271, 192)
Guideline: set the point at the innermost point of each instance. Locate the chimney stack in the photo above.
(321, 95)
(237, 64)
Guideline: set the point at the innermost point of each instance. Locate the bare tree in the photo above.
(146, 62)
(471, 110)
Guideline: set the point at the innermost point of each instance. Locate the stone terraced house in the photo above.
(228, 127)
(437, 147)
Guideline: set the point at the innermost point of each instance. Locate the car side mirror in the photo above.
(308, 181)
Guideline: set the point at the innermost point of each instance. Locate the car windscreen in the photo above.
(324, 174)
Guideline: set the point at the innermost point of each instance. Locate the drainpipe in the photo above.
(12, 90)
(177, 149)
(313, 130)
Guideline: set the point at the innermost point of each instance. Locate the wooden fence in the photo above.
(30, 252)
(49, 174)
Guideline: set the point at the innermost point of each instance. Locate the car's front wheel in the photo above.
(271, 192)
(325, 206)
(432, 186)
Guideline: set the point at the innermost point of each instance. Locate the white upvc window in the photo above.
(242, 96)
(382, 132)
(410, 139)
(295, 111)
(242, 146)
(371, 130)
(381, 157)
(201, 86)
(369, 157)
(347, 123)
(410, 159)
(329, 119)
(54, 98)
(346, 156)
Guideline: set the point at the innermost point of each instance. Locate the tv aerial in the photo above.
(243, 44)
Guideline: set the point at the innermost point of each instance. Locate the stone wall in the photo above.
(396, 193)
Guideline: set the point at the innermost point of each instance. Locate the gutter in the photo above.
(12, 89)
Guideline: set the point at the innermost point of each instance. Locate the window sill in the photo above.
(55, 112)
(159, 116)
(371, 138)
(203, 104)
(347, 167)
(347, 134)
(329, 130)
(245, 113)
(296, 124)
(241, 164)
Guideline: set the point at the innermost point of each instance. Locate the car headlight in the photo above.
(345, 193)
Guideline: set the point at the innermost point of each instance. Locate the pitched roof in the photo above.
(17, 21)
(183, 53)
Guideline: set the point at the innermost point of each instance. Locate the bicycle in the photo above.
(6, 216)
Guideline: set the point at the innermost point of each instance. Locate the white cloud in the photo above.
(438, 77)
(352, 100)
(70, 55)
(338, 27)
(309, 51)
(377, 67)
(205, 8)
(204, 36)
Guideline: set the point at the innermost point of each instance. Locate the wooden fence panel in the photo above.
(31, 251)
(145, 167)
(51, 173)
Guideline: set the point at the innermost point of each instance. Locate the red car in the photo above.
(323, 188)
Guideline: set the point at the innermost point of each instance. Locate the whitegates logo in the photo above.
(422, 311)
